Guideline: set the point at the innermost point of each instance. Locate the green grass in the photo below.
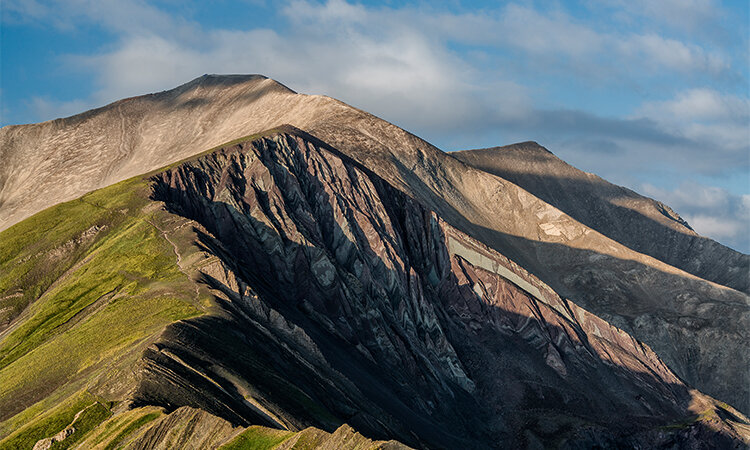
(119, 429)
(87, 305)
(131, 428)
(55, 420)
(89, 419)
(258, 438)
(36, 251)
(120, 265)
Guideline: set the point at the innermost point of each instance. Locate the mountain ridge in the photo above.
(291, 186)
(694, 324)
(114, 144)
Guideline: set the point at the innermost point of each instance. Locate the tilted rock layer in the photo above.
(391, 319)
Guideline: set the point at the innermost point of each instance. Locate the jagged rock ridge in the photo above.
(398, 323)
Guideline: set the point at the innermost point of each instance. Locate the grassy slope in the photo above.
(258, 438)
(92, 298)
(84, 285)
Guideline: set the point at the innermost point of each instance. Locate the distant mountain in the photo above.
(642, 224)
(288, 261)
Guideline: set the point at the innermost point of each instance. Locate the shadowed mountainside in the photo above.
(642, 224)
(628, 259)
(317, 294)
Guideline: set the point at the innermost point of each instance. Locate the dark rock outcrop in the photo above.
(342, 300)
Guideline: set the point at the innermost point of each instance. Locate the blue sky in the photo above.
(653, 95)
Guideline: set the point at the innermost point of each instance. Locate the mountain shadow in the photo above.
(640, 223)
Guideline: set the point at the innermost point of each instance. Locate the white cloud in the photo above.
(710, 210)
(718, 228)
(333, 11)
(651, 51)
(684, 15)
(692, 195)
(122, 16)
(562, 40)
(720, 123)
(141, 64)
(53, 109)
(700, 104)
(532, 31)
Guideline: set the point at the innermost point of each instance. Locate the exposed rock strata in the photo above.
(346, 301)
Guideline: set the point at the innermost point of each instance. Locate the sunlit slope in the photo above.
(640, 223)
(99, 282)
(276, 281)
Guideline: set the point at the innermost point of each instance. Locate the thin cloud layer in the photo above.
(461, 78)
(711, 211)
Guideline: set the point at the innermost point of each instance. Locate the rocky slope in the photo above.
(190, 428)
(350, 274)
(614, 211)
(322, 295)
(425, 330)
(694, 313)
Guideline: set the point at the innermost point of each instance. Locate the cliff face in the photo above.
(344, 300)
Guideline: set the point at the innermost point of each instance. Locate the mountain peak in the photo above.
(227, 80)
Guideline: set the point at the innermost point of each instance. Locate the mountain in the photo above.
(248, 273)
(614, 211)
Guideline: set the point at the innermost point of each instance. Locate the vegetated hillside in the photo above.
(277, 282)
(97, 280)
(643, 224)
(690, 314)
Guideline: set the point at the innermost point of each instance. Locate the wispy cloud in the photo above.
(716, 123)
(130, 17)
(45, 107)
(711, 211)
(560, 37)
(688, 16)
(702, 104)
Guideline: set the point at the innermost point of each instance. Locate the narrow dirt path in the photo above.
(176, 251)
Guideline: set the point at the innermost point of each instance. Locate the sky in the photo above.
(652, 95)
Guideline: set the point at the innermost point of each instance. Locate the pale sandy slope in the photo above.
(698, 327)
(643, 224)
